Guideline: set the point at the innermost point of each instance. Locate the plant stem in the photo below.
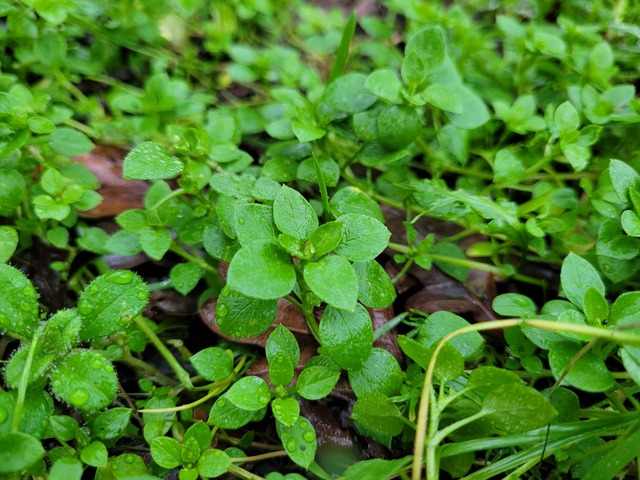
(24, 383)
(180, 372)
(242, 473)
(614, 335)
(323, 188)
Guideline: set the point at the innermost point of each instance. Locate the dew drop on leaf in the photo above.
(222, 402)
(121, 277)
(241, 221)
(309, 436)
(96, 364)
(292, 445)
(28, 290)
(85, 308)
(264, 399)
(129, 458)
(142, 295)
(79, 396)
(222, 310)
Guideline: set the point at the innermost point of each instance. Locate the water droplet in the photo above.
(115, 467)
(217, 453)
(4, 414)
(142, 295)
(309, 436)
(222, 402)
(241, 221)
(85, 308)
(179, 285)
(262, 220)
(607, 268)
(96, 364)
(235, 294)
(56, 383)
(4, 321)
(28, 290)
(280, 359)
(108, 368)
(222, 310)
(79, 397)
(292, 445)
(264, 398)
(121, 277)
(25, 306)
(129, 458)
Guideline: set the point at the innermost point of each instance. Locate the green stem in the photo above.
(242, 473)
(180, 372)
(216, 390)
(323, 188)
(201, 262)
(24, 383)
(615, 335)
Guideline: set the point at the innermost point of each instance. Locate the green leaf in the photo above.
(69, 142)
(343, 50)
(398, 127)
(346, 336)
(47, 207)
(19, 310)
(379, 373)
(623, 178)
(293, 215)
(249, 393)
(474, 111)
(66, 468)
(566, 118)
(576, 276)
(63, 427)
(325, 238)
(299, 441)
(149, 161)
(347, 94)
(514, 305)
(351, 199)
(166, 452)
(85, 379)
(596, 308)
(156, 242)
(516, 408)
(218, 244)
(283, 354)
(588, 373)
(254, 222)
(286, 410)
(507, 168)
(630, 223)
(385, 84)
(243, 317)
(329, 168)
(12, 190)
(261, 270)
(376, 469)
(201, 433)
(225, 414)
(110, 303)
(442, 323)
(452, 250)
(626, 448)
(443, 96)
(95, 454)
(185, 276)
(18, 451)
(333, 279)
(428, 46)
(364, 237)
(625, 309)
(213, 363)
(376, 416)
(484, 379)
(449, 364)
(110, 424)
(375, 289)
(315, 383)
(213, 463)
